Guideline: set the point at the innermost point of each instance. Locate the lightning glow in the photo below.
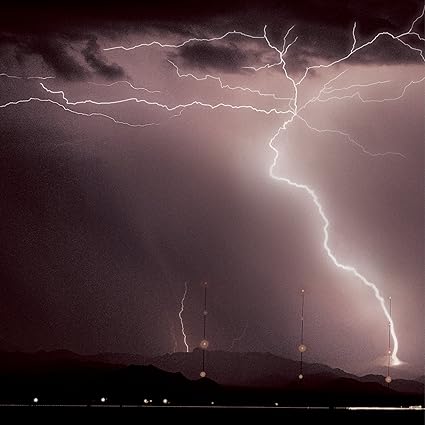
(181, 317)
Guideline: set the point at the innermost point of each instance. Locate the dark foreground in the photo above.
(213, 414)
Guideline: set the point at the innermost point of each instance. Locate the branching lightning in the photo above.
(181, 317)
(291, 113)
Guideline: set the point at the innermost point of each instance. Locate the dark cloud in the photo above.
(324, 30)
(225, 58)
(54, 53)
(93, 56)
(59, 53)
(47, 16)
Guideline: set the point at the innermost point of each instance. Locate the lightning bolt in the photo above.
(350, 269)
(181, 317)
(291, 114)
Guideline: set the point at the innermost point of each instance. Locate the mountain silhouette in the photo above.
(232, 379)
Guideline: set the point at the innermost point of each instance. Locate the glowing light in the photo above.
(204, 344)
(146, 401)
(103, 399)
(388, 379)
(300, 376)
(302, 348)
(165, 401)
(203, 374)
(181, 318)
(35, 400)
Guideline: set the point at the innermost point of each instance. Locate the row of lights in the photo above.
(104, 399)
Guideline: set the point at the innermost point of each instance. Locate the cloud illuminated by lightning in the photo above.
(181, 318)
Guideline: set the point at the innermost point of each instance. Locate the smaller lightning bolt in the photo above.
(355, 49)
(330, 90)
(167, 107)
(226, 86)
(239, 338)
(91, 114)
(181, 317)
(16, 77)
(190, 40)
(410, 30)
(350, 139)
(125, 82)
(360, 97)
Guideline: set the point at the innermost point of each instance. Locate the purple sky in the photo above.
(102, 223)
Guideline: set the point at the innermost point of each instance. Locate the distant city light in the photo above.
(146, 401)
(165, 401)
(35, 400)
(103, 399)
